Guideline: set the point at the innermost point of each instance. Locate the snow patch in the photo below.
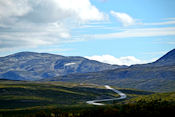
(68, 64)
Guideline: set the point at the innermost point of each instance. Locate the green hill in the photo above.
(22, 95)
(60, 99)
(19, 95)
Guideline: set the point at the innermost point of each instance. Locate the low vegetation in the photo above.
(58, 99)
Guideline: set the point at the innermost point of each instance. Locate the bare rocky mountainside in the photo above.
(36, 66)
(156, 76)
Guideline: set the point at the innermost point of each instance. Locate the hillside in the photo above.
(156, 76)
(166, 60)
(21, 95)
(36, 66)
(60, 99)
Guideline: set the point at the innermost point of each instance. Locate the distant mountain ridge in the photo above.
(156, 76)
(36, 66)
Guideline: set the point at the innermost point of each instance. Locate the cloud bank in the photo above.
(31, 23)
(128, 60)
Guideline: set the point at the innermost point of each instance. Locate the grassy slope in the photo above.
(21, 98)
(159, 79)
(20, 95)
(168, 97)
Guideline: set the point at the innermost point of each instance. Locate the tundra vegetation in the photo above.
(60, 99)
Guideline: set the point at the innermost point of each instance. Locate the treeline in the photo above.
(142, 108)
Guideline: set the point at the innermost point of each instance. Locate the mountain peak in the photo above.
(26, 54)
(167, 59)
(34, 66)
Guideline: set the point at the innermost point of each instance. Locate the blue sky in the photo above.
(112, 31)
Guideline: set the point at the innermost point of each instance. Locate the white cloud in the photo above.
(171, 42)
(11, 8)
(142, 32)
(83, 9)
(124, 18)
(170, 21)
(127, 20)
(30, 35)
(50, 10)
(32, 23)
(128, 60)
(160, 23)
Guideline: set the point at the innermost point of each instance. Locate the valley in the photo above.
(87, 58)
(47, 99)
(28, 95)
(46, 85)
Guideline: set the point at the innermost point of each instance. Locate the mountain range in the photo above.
(36, 66)
(156, 76)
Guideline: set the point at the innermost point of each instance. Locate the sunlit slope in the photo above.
(19, 95)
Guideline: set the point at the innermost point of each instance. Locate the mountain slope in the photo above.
(35, 66)
(166, 60)
(156, 76)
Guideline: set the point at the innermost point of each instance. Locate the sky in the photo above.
(122, 32)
